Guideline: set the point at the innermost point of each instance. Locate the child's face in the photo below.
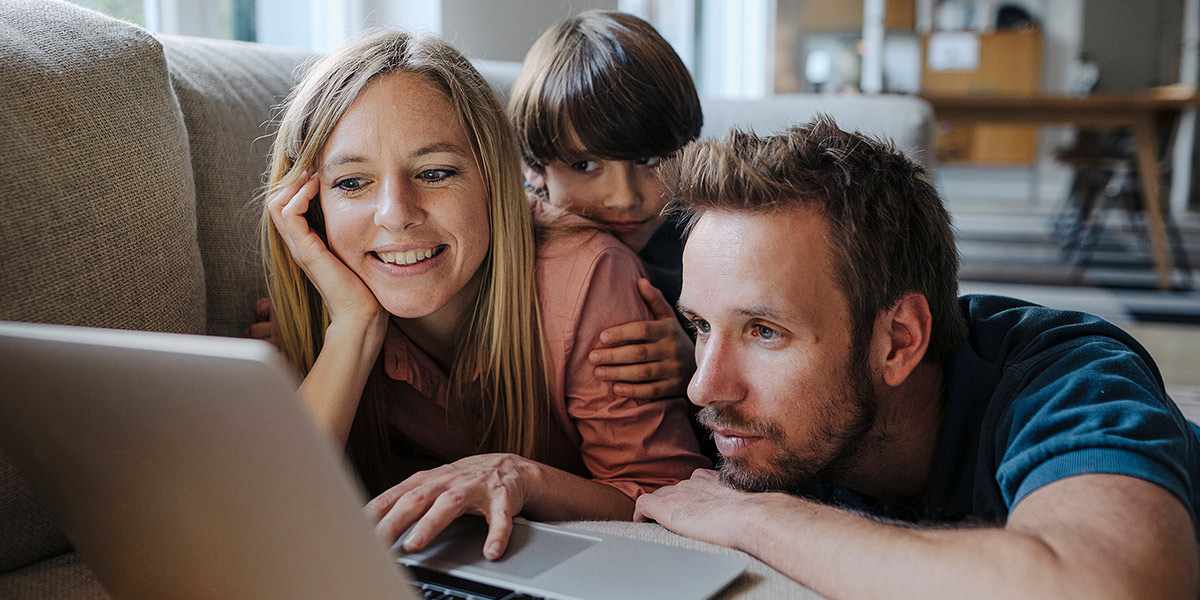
(624, 195)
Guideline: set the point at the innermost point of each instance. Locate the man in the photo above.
(880, 437)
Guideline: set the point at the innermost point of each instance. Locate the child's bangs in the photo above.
(599, 109)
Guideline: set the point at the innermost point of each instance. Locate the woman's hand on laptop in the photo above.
(492, 485)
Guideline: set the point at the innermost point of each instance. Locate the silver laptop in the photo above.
(186, 467)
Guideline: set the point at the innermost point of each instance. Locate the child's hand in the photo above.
(262, 328)
(646, 359)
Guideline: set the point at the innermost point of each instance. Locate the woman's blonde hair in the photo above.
(501, 351)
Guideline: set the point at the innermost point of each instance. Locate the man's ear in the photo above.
(901, 337)
(535, 179)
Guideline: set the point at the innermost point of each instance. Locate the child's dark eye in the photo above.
(432, 175)
(651, 161)
(585, 166)
(350, 184)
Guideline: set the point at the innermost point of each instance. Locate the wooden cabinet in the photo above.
(1009, 64)
(847, 15)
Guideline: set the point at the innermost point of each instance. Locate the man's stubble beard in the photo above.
(841, 439)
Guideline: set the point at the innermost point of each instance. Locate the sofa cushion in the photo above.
(65, 577)
(226, 91)
(907, 120)
(97, 221)
(97, 225)
(27, 533)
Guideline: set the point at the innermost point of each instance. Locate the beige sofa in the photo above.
(129, 164)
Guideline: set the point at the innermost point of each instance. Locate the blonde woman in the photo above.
(410, 290)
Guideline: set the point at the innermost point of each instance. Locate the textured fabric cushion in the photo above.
(97, 222)
(226, 91)
(97, 225)
(64, 577)
(27, 534)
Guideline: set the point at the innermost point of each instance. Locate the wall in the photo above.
(506, 30)
(1136, 45)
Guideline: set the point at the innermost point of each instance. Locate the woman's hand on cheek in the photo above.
(493, 485)
(345, 294)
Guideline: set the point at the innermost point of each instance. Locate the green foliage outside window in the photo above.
(236, 16)
(126, 10)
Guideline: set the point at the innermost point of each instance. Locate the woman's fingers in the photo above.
(500, 526)
(400, 512)
(449, 505)
(287, 207)
(429, 501)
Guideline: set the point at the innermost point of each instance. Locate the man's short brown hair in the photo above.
(611, 80)
(889, 231)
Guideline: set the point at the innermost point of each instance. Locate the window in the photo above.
(225, 19)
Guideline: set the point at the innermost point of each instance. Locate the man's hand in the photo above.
(701, 507)
(262, 328)
(646, 359)
(493, 485)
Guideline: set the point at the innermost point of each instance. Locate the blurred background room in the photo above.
(1064, 130)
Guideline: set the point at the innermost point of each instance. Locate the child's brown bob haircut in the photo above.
(611, 80)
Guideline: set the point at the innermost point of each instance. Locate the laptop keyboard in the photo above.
(434, 585)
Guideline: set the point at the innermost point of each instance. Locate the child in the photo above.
(600, 99)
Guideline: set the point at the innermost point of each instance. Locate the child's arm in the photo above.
(647, 359)
(262, 328)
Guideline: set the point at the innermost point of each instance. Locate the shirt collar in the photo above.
(405, 361)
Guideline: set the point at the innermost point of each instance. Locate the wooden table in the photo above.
(1141, 112)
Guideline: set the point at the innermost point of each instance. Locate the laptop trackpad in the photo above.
(530, 550)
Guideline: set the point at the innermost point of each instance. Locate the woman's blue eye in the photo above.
(651, 161)
(701, 325)
(585, 166)
(436, 174)
(350, 184)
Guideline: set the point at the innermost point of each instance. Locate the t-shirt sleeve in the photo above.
(1094, 407)
(633, 445)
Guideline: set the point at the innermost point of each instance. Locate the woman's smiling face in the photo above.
(404, 199)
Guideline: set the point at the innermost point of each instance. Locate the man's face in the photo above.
(782, 391)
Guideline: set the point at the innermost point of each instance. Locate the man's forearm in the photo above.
(842, 554)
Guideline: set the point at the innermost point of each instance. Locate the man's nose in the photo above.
(398, 207)
(718, 375)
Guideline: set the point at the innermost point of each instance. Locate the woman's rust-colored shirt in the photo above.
(587, 282)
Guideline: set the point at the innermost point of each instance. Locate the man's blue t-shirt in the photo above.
(1035, 395)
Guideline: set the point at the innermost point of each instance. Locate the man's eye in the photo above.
(585, 166)
(649, 162)
(764, 332)
(701, 326)
(350, 184)
(436, 174)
